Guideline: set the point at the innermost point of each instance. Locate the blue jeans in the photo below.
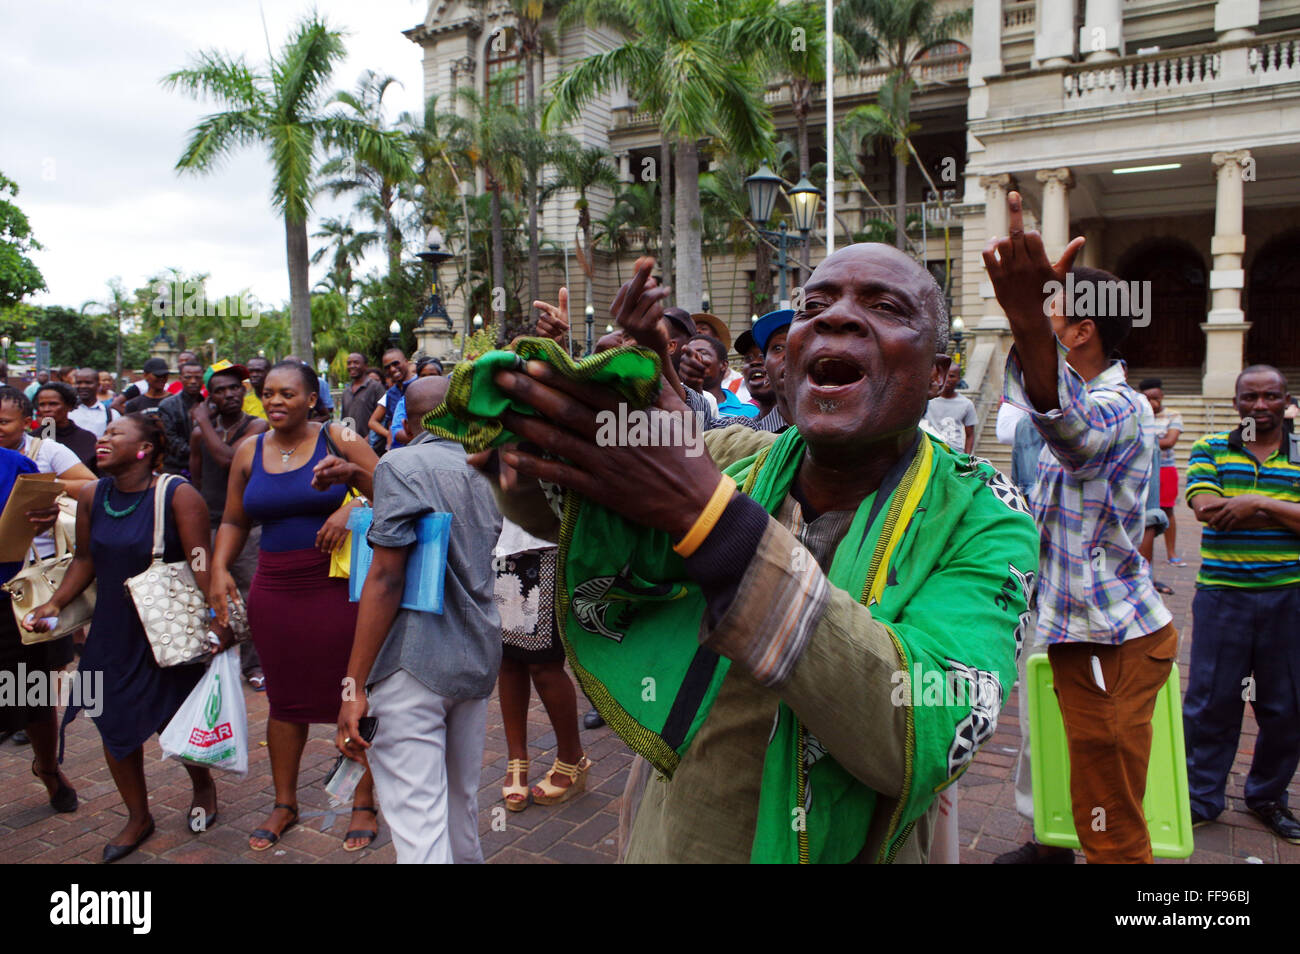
(1245, 645)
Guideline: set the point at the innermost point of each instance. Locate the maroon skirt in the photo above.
(302, 625)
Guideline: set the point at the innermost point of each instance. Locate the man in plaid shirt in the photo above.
(1111, 641)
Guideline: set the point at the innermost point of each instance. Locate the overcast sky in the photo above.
(92, 139)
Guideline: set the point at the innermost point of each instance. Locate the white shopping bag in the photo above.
(211, 726)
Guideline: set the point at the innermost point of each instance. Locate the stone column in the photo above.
(1236, 19)
(1099, 37)
(1056, 209)
(995, 226)
(986, 41)
(1226, 325)
(624, 166)
(1054, 40)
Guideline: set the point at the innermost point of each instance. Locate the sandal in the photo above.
(1163, 589)
(545, 793)
(64, 799)
(516, 796)
(1177, 561)
(269, 836)
(258, 682)
(366, 833)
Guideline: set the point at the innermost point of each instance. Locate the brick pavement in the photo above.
(581, 831)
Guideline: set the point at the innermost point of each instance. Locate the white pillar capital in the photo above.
(1050, 177)
(1231, 162)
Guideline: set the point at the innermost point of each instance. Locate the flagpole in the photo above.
(830, 126)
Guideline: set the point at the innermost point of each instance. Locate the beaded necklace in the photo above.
(108, 508)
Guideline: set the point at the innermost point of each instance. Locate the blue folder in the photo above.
(426, 567)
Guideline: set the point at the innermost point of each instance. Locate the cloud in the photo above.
(92, 138)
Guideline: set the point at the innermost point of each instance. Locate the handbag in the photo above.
(35, 584)
(167, 598)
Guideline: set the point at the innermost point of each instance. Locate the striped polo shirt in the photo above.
(1249, 559)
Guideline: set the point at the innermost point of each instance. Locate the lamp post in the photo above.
(804, 198)
(212, 343)
(958, 346)
(435, 255)
(394, 332)
(591, 317)
(4, 359)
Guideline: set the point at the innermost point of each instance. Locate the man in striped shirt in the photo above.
(1244, 486)
(1110, 639)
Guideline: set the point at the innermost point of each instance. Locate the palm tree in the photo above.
(495, 132)
(377, 165)
(279, 107)
(534, 42)
(680, 58)
(120, 306)
(897, 34)
(346, 247)
(581, 169)
(438, 143)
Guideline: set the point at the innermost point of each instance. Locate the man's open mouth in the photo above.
(832, 372)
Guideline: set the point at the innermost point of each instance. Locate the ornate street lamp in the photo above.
(394, 332)
(435, 255)
(591, 317)
(958, 346)
(805, 198)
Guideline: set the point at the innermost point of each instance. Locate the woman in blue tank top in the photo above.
(291, 482)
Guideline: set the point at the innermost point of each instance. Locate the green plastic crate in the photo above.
(1167, 805)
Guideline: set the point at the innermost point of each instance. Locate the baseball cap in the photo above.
(770, 324)
(720, 329)
(225, 367)
(156, 366)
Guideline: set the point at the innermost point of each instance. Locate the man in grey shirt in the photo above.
(952, 415)
(427, 677)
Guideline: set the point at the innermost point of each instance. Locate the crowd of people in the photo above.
(815, 551)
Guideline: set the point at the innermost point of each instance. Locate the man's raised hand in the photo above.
(1019, 268)
(554, 319)
(639, 307)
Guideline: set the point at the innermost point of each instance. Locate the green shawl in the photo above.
(630, 619)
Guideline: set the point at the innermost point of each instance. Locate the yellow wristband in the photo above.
(707, 519)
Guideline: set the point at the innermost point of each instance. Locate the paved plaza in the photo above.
(585, 830)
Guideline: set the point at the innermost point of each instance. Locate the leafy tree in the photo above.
(581, 169)
(346, 247)
(377, 165)
(18, 276)
(279, 107)
(120, 307)
(692, 65)
(897, 34)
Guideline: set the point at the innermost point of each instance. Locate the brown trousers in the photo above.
(1108, 733)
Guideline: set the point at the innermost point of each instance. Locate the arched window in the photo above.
(502, 53)
(1271, 294)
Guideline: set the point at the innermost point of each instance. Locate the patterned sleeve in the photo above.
(1086, 426)
(1202, 471)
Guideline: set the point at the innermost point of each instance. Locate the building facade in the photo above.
(1167, 132)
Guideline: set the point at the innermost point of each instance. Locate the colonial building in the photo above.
(1165, 131)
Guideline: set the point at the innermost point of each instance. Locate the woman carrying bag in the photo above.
(115, 541)
(293, 480)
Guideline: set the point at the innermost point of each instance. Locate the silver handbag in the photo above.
(167, 598)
